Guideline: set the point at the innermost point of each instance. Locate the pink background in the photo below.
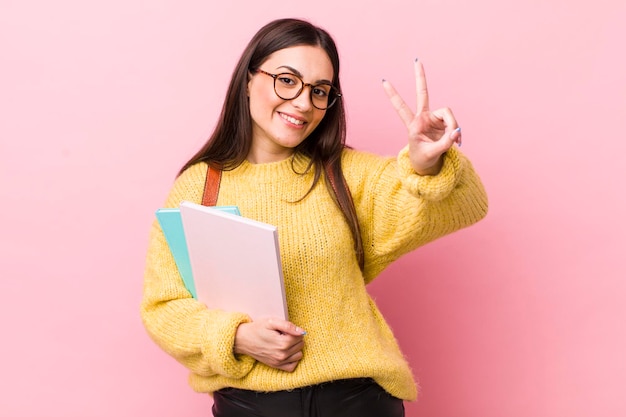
(520, 315)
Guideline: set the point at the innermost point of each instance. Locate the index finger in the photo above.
(422, 89)
(398, 104)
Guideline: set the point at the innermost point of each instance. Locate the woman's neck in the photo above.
(263, 156)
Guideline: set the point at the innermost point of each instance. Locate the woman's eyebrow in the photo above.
(299, 74)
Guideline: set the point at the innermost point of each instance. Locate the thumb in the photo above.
(287, 327)
(447, 141)
(455, 136)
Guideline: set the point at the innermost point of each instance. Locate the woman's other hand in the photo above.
(431, 133)
(275, 342)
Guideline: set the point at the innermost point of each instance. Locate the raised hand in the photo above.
(431, 133)
(274, 342)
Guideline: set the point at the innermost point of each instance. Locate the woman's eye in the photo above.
(288, 81)
(320, 92)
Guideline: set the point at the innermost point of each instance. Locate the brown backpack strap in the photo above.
(211, 186)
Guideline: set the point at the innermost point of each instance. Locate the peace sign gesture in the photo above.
(431, 133)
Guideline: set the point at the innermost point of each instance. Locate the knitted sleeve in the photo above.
(400, 210)
(199, 338)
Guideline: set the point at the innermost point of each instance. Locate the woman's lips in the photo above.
(292, 119)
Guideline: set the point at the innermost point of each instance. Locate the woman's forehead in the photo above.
(311, 62)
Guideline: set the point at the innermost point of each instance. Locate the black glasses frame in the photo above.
(332, 97)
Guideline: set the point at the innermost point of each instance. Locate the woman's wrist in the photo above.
(239, 344)
(433, 170)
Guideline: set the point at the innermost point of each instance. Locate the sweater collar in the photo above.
(272, 171)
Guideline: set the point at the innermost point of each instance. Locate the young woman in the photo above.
(279, 139)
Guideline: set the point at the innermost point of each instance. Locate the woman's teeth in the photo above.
(292, 119)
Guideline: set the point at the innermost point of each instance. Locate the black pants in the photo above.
(361, 397)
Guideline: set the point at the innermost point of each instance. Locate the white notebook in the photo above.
(235, 262)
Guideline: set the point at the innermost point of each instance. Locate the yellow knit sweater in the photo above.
(347, 337)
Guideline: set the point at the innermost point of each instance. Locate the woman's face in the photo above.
(278, 125)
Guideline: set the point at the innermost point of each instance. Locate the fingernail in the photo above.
(384, 80)
(458, 129)
(301, 331)
(459, 141)
(416, 59)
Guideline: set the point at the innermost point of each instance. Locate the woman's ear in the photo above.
(248, 84)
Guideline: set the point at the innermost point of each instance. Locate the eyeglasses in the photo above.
(289, 86)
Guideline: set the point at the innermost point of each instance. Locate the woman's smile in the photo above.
(292, 120)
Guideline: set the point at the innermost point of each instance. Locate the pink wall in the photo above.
(520, 315)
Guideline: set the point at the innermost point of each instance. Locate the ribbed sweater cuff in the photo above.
(218, 342)
(431, 187)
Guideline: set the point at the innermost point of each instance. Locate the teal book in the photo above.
(172, 226)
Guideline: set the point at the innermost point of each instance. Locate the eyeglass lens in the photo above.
(289, 86)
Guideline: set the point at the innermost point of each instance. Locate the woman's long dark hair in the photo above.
(231, 140)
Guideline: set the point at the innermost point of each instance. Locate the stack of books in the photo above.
(226, 261)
